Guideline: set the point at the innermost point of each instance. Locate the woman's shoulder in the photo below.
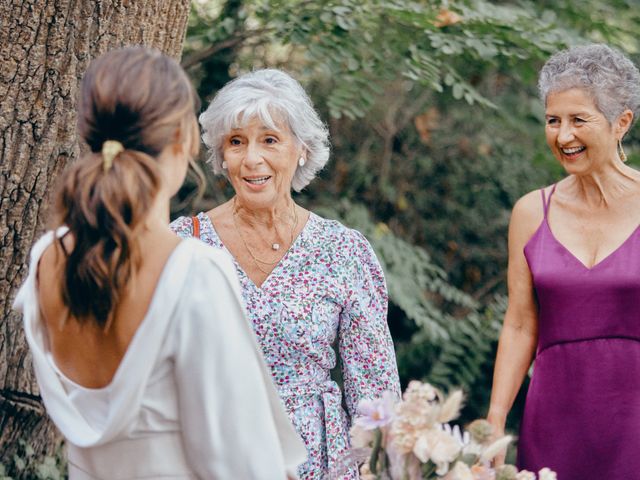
(337, 232)
(528, 214)
(529, 209)
(44, 257)
(183, 226)
(198, 226)
(341, 241)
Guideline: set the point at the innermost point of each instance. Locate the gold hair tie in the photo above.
(110, 150)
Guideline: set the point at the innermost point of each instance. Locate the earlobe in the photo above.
(624, 123)
(177, 149)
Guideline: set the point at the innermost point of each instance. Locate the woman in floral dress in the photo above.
(307, 283)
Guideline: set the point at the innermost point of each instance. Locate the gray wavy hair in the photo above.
(266, 94)
(611, 79)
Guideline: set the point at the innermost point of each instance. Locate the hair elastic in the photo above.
(110, 150)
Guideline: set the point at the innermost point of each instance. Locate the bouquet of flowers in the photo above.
(413, 439)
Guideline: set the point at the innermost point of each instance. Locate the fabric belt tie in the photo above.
(335, 420)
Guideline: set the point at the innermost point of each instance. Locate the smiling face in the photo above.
(261, 162)
(578, 134)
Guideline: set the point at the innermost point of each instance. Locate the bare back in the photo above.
(84, 352)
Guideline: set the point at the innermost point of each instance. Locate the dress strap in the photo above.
(195, 233)
(547, 201)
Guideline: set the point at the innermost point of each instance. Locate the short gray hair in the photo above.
(266, 94)
(611, 79)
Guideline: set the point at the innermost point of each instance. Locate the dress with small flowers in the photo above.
(327, 290)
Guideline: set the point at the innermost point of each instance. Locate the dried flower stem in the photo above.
(377, 446)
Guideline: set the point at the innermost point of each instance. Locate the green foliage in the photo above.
(359, 44)
(461, 361)
(25, 464)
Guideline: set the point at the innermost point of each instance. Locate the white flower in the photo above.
(422, 447)
(547, 474)
(473, 448)
(525, 475)
(463, 438)
(460, 471)
(496, 447)
(436, 445)
(423, 391)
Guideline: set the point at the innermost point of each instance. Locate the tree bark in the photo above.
(45, 47)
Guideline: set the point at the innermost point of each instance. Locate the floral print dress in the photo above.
(328, 289)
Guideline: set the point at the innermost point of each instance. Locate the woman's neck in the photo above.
(283, 211)
(158, 215)
(601, 187)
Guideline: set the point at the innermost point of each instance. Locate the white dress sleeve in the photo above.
(234, 425)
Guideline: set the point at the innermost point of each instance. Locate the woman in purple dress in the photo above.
(307, 283)
(574, 280)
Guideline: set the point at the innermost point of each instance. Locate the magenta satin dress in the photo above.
(582, 412)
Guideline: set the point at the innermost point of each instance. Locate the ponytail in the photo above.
(104, 209)
(134, 102)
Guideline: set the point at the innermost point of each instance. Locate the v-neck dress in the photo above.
(582, 411)
(328, 289)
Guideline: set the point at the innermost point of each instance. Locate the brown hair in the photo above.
(142, 99)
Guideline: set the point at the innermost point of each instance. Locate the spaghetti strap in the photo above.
(546, 201)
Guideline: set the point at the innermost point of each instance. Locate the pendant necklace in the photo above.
(275, 246)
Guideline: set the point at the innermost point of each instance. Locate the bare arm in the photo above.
(519, 335)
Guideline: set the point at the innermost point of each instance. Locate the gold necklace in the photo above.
(256, 260)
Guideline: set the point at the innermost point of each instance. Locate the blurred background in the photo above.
(436, 131)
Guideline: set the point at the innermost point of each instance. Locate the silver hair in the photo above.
(611, 79)
(273, 96)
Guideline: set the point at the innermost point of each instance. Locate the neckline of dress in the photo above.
(157, 297)
(545, 220)
(603, 260)
(285, 258)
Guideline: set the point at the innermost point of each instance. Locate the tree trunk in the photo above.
(45, 47)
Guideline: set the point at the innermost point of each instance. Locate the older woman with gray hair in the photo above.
(574, 280)
(307, 283)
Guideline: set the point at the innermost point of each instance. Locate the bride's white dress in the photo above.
(191, 398)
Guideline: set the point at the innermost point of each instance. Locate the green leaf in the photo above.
(458, 91)
(19, 463)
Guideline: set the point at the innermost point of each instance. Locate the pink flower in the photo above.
(376, 413)
(483, 472)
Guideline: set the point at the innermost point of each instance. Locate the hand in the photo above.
(498, 460)
(498, 432)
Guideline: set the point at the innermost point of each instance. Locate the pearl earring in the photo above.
(301, 161)
(224, 165)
